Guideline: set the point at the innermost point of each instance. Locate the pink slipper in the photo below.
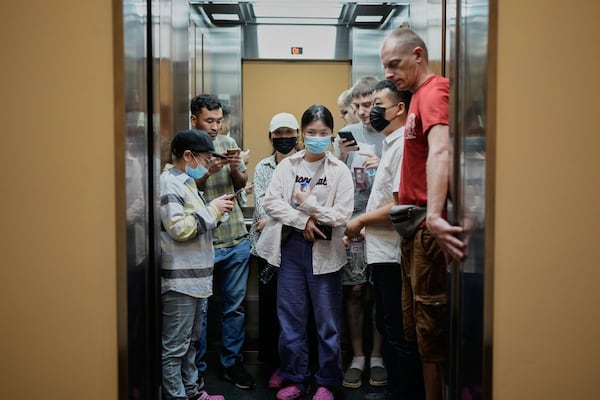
(291, 392)
(206, 396)
(323, 394)
(276, 381)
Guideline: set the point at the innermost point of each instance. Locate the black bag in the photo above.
(407, 218)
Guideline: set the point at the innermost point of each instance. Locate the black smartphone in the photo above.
(326, 229)
(348, 136)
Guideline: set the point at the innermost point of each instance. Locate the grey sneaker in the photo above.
(352, 378)
(378, 376)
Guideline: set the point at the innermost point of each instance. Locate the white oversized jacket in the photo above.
(328, 255)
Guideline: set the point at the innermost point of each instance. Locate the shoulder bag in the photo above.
(407, 219)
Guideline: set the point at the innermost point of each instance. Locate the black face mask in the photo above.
(377, 118)
(285, 144)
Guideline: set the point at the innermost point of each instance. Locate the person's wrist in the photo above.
(361, 222)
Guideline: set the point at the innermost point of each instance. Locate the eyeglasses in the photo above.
(207, 160)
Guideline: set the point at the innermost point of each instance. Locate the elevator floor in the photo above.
(217, 385)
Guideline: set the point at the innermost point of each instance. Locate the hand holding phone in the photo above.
(238, 192)
(326, 230)
(234, 158)
(223, 203)
(350, 143)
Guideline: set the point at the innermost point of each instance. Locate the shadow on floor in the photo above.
(217, 385)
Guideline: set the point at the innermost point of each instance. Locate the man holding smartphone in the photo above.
(360, 148)
(232, 248)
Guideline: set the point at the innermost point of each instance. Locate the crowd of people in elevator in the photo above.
(322, 238)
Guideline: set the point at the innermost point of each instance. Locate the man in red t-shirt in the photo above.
(424, 182)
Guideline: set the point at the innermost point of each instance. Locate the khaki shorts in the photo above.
(424, 295)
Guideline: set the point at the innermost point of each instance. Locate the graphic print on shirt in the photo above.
(306, 173)
(409, 127)
(321, 181)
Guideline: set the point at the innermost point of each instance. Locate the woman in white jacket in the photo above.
(310, 199)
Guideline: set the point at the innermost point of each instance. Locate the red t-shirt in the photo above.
(428, 107)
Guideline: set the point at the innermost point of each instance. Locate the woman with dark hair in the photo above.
(308, 202)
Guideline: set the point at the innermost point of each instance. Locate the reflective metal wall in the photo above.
(365, 45)
(223, 72)
(171, 55)
(468, 52)
(426, 17)
(167, 59)
(139, 342)
(216, 65)
(157, 93)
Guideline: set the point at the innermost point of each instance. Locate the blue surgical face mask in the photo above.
(197, 172)
(317, 145)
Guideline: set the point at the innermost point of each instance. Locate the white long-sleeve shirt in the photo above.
(328, 255)
(382, 242)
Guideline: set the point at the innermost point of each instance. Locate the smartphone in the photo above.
(326, 229)
(238, 192)
(348, 136)
(233, 152)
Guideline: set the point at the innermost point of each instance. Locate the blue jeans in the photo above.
(181, 325)
(297, 288)
(231, 276)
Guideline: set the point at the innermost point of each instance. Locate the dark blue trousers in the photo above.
(297, 287)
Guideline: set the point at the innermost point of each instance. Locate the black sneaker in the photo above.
(239, 376)
(385, 395)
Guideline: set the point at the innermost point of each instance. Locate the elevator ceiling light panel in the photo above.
(366, 14)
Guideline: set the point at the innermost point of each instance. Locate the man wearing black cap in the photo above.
(186, 262)
(232, 248)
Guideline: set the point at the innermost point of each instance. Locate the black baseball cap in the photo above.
(194, 140)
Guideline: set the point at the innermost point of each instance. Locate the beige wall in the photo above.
(58, 307)
(58, 297)
(271, 87)
(547, 265)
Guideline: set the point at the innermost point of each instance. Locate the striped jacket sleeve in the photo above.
(182, 214)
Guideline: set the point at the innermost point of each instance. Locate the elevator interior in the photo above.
(174, 49)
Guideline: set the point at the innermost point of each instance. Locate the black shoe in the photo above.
(385, 395)
(239, 376)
